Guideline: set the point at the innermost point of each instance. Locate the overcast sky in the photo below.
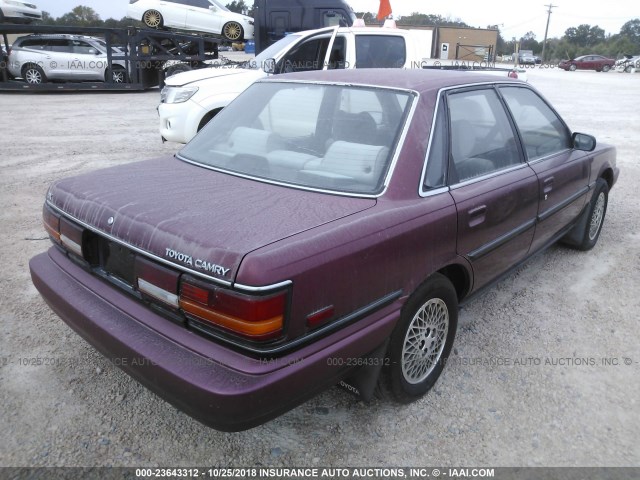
(515, 18)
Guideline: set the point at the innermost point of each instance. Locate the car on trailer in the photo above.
(19, 11)
(208, 16)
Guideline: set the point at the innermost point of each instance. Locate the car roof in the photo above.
(50, 36)
(418, 80)
(360, 30)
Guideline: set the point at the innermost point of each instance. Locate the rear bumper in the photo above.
(219, 387)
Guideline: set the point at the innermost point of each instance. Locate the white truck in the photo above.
(190, 99)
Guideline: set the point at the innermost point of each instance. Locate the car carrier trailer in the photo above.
(143, 51)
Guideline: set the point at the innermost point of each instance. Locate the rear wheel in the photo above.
(233, 31)
(118, 74)
(33, 74)
(152, 19)
(422, 340)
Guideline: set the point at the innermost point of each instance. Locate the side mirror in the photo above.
(213, 8)
(269, 66)
(582, 141)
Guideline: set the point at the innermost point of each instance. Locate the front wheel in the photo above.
(573, 68)
(118, 75)
(422, 340)
(606, 68)
(585, 234)
(233, 31)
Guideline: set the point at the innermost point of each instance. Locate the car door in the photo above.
(58, 57)
(319, 51)
(204, 16)
(86, 62)
(174, 12)
(495, 191)
(562, 172)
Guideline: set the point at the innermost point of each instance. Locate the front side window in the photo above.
(83, 48)
(328, 137)
(542, 131)
(482, 140)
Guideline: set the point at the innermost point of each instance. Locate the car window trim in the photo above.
(422, 191)
(512, 117)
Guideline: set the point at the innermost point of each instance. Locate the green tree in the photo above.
(240, 7)
(368, 17)
(585, 35)
(417, 18)
(631, 30)
(528, 42)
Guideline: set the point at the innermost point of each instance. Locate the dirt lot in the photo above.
(569, 318)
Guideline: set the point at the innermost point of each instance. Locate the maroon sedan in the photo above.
(323, 228)
(588, 62)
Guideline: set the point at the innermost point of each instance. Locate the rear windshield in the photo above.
(326, 137)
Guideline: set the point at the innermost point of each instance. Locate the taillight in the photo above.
(51, 222)
(157, 282)
(253, 317)
(71, 236)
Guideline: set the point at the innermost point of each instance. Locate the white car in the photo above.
(209, 16)
(39, 58)
(190, 99)
(17, 11)
(628, 64)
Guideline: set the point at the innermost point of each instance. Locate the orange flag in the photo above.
(384, 10)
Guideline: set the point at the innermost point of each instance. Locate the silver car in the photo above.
(39, 58)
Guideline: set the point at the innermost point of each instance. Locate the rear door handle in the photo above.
(547, 186)
(477, 215)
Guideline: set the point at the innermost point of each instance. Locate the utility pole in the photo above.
(546, 30)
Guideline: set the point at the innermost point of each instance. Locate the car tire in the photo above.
(628, 68)
(572, 68)
(33, 74)
(152, 19)
(585, 234)
(422, 340)
(233, 31)
(175, 69)
(606, 68)
(118, 75)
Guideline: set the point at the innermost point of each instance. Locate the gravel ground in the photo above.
(560, 316)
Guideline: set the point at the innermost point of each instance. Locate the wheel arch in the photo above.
(607, 175)
(460, 277)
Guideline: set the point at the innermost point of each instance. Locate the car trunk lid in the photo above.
(195, 218)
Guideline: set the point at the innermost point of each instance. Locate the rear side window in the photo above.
(482, 140)
(380, 51)
(542, 131)
(34, 44)
(58, 45)
(437, 161)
